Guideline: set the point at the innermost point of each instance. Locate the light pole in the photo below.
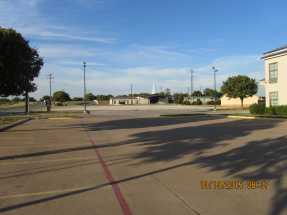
(132, 94)
(84, 98)
(50, 77)
(214, 78)
(191, 82)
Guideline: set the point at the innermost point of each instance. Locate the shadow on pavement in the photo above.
(171, 144)
(84, 190)
(259, 160)
(58, 167)
(267, 157)
(146, 122)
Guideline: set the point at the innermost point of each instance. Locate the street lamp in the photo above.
(214, 78)
(84, 98)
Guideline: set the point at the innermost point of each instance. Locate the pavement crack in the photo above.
(177, 195)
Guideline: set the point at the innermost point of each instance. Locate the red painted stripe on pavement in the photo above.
(120, 197)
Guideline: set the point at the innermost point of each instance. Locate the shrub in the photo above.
(186, 103)
(59, 104)
(197, 102)
(4, 101)
(218, 102)
(277, 110)
(257, 109)
(77, 99)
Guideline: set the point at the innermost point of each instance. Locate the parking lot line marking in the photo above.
(38, 146)
(117, 191)
(47, 160)
(44, 193)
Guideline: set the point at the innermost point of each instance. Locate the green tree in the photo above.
(239, 87)
(90, 97)
(19, 65)
(46, 97)
(197, 93)
(77, 99)
(211, 93)
(61, 96)
(16, 99)
(179, 97)
(105, 97)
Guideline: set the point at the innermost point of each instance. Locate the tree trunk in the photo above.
(27, 102)
(241, 99)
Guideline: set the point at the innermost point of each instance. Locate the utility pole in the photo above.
(214, 79)
(191, 82)
(50, 77)
(85, 91)
(132, 94)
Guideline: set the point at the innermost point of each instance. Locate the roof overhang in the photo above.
(275, 53)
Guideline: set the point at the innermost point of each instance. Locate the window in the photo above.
(273, 72)
(273, 97)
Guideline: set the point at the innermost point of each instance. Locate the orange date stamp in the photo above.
(234, 185)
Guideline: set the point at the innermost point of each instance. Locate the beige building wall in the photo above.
(281, 85)
(129, 101)
(226, 101)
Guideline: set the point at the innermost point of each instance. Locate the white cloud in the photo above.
(26, 17)
(64, 52)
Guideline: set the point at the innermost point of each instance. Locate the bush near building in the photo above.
(275, 110)
(186, 103)
(218, 102)
(257, 109)
(197, 102)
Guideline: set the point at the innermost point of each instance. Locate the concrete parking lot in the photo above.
(138, 162)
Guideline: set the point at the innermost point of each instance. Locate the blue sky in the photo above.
(146, 41)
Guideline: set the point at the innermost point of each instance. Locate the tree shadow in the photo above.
(79, 191)
(147, 122)
(258, 160)
(171, 144)
(267, 156)
(58, 167)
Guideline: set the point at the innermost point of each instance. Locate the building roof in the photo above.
(276, 51)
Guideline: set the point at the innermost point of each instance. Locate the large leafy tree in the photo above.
(212, 93)
(239, 87)
(90, 97)
(61, 96)
(197, 93)
(19, 64)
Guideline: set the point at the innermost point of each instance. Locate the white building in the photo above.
(129, 101)
(276, 76)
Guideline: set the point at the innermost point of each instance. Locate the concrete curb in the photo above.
(241, 117)
(12, 125)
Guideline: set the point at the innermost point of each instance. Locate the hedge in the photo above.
(257, 109)
(277, 110)
(261, 109)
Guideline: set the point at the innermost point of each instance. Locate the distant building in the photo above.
(276, 76)
(129, 101)
(204, 99)
(234, 102)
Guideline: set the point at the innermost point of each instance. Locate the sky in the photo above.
(140, 42)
